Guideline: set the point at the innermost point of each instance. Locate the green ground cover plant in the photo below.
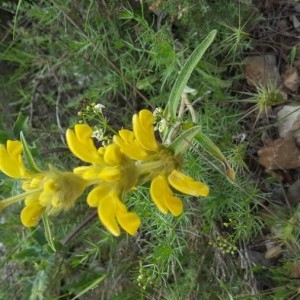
(92, 65)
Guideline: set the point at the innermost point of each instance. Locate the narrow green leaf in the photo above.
(183, 142)
(20, 124)
(146, 83)
(214, 81)
(27, 254)
(185, 73)
(28, 156)
(48, 233)
(90, 286)
(209, 146)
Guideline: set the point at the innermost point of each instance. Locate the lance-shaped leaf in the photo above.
(185, 73)
(28, 155)
(20, 124)
(209, 146)
(48, 233)
(183, 142)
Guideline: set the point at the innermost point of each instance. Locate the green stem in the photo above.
(6, 202)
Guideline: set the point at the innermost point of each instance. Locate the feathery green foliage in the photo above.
(61, 58)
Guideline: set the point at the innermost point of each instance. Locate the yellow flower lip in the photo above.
(111, 211)
(128, 144)
(163, 197)
(187, 185)
(81, 144)
(112, 154)
(31, 214)
(143, 129)
(11, 162)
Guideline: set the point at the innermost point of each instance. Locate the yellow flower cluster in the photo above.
(133, 158)
(49, 190)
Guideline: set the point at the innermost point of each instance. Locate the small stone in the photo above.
(280, 154)
(289, 122)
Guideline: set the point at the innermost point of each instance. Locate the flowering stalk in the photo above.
(51, 190)
(132, 159)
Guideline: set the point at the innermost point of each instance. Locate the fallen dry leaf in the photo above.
(261, 70)
(282, 153)
(291, 79)
(297, 59)
(295, 270)
(273, 252)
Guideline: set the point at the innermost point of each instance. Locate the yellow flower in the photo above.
(163, 197)
(157, 163)
(187, 185)
(81, 144)
(107, 164)
(31, 214)
(60, 190)
(140, 143)
(143, 130)
(51, 191)
(11, 162)
(112, 175)
(112, 211)
(129, 145)
(55, 192)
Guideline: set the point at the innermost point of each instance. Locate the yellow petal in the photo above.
(175, 206)
(31, 214)
(129, 146)
(112, 154)
(127, 136)
(107, 213)
(144, 131)
(187, 185)
(99, 173)
(87, 172)
(81, 144)
(99, 192)
(11, 162)
(163, 197)
(109, 174)
(159, 189)
(129, 221)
